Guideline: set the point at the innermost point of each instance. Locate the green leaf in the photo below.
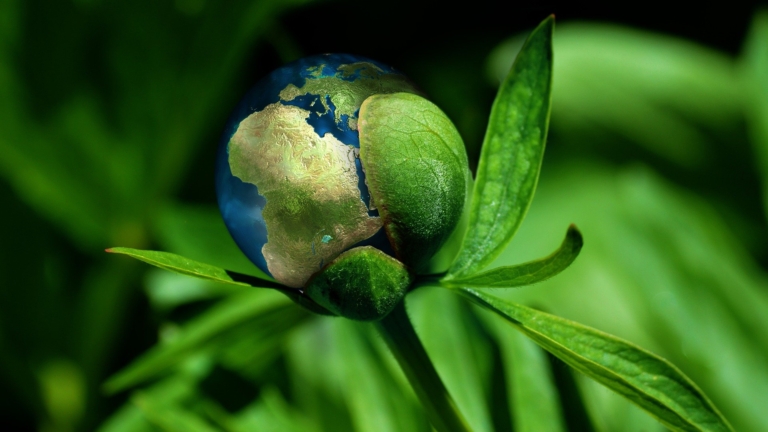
(649, 381)
(511, 155)
(271, 311)
(179, 264)
(460, 352)
(186, 266)
(756, 76)
(376, 400)
(398, 332)
(666, 94)
(171, 418)
(528, 273)
(417, 171)
(534, 402)
(199, 233)
(271, 412)
(663, 269)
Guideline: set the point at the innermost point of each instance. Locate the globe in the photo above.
(289, 181)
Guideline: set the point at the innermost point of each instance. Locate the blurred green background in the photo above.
(109, 118)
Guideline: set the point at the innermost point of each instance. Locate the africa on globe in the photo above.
(336, 153)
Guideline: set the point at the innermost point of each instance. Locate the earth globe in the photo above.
(289, 181)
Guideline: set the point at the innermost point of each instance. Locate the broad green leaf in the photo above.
(528, 273)
(250, 306)
(416, 169)
(511, 156)
(649, 381)
(398, 333)
(534, 402)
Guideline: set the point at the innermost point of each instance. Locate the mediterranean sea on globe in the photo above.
(289, 181)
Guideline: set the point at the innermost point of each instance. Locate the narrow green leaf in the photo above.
(461, 354)
(397, 331)
(528, 273)
(172, 418)
(511, 156)
(668, 95)
(460, 350)
(199, 233)
(534, 402)
(377, 402)
(271, 412)
(755, 67)
(649, 381)
(186, 266)
(252, 305)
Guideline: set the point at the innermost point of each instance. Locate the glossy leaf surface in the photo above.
(186, 266)
(649, 381)
(511, 155)
(179, 264)
(528, 273)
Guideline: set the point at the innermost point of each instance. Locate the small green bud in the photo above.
(362, 284)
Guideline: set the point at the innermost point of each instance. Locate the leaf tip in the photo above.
(574, 235)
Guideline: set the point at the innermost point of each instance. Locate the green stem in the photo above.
(402, 340)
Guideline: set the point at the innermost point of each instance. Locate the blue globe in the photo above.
(289, 181)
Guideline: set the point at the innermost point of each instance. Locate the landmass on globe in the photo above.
(292, 162)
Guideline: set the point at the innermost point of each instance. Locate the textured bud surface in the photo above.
(362, 284)
(417, 172)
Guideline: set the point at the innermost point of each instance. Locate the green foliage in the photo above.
(528, 273)
(534, 404)
(109, 117)
(647, 380)
(179, 264)
(401, 338)
(511, 155)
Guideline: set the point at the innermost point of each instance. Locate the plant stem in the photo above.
(402, 340)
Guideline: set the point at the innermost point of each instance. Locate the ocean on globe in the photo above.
(289, 181)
